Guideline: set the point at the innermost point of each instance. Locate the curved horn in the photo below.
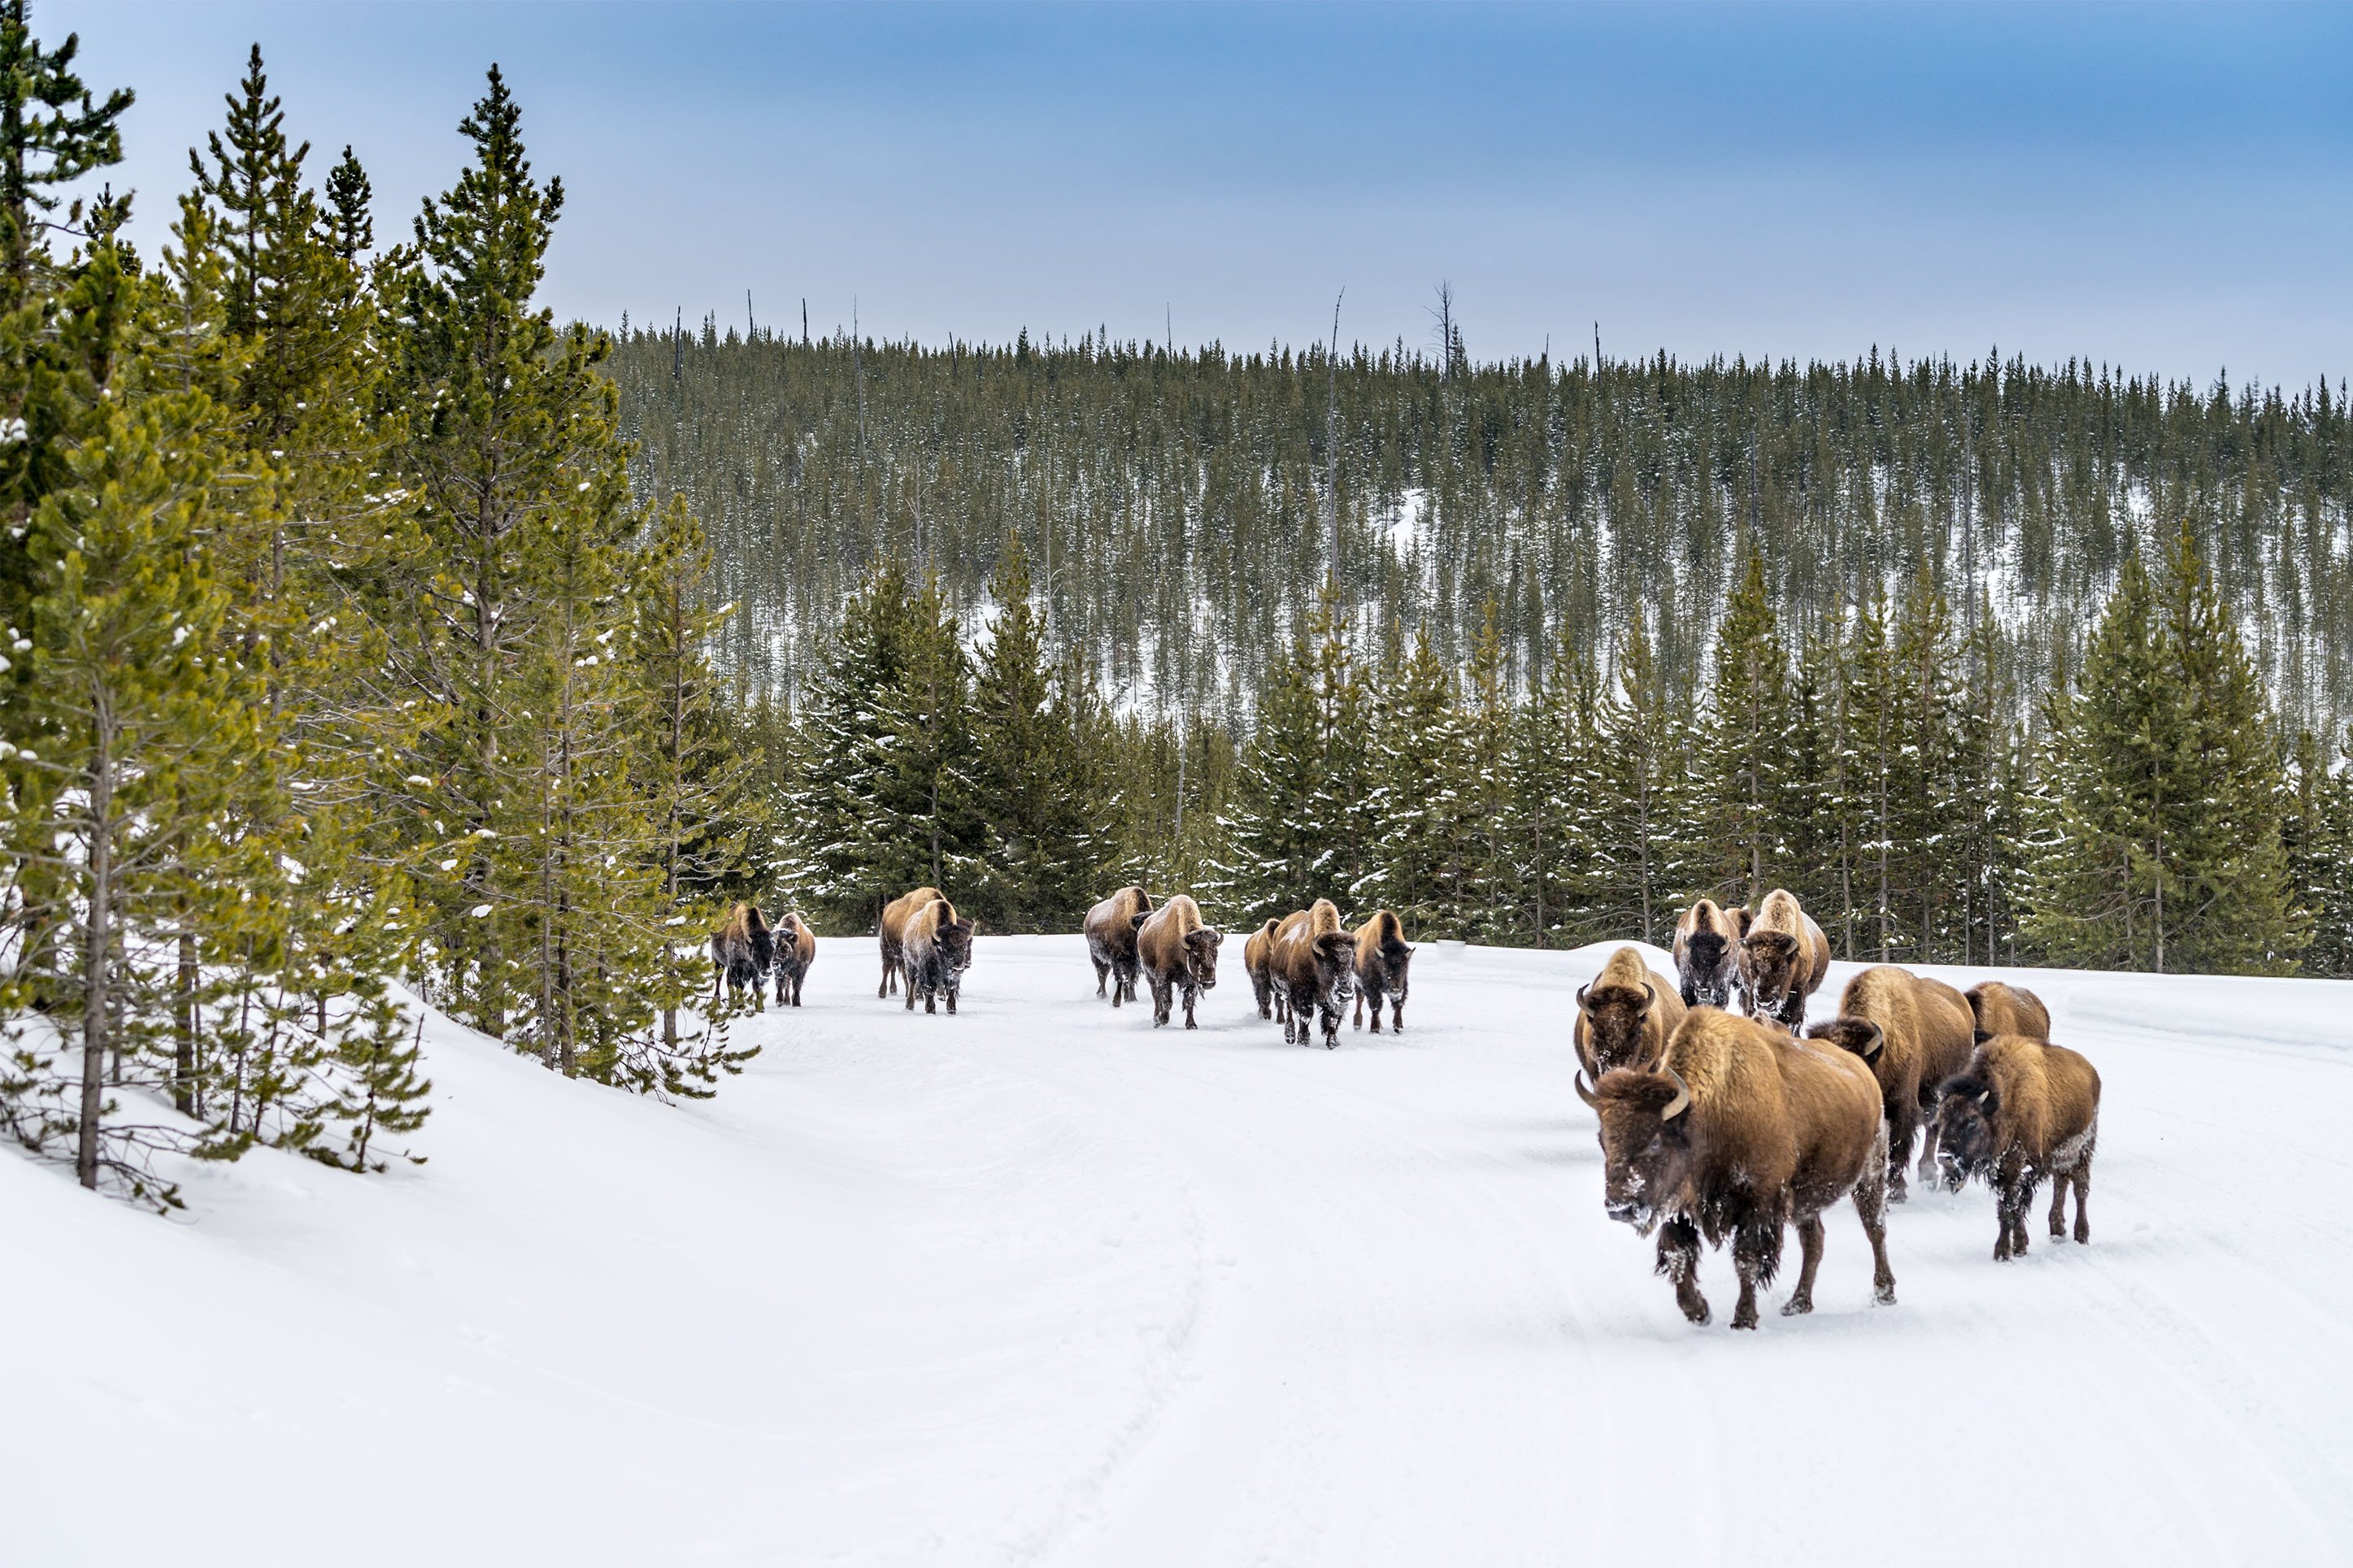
(1878, 1041)
(1649, 996)
(1581, 994)
(1682, 1102)
(1583, 1093)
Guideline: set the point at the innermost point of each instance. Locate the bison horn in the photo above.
(1649, 996)
(1878, 1041)
(1682, 1102)
(1583, 1093)
(1580, 995)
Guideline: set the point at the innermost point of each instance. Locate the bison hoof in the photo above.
(1797, 1307)
(1896, 1191)
(2083, 1234)
(1696, 1309)
(1885, 1294)
(1745, 1319)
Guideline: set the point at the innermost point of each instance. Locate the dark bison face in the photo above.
(1614, 1016)
(1202, 957)
(954, 942)
(1859, 1037)
(1136, 922)
(1336, 966)
(1707, 969)
(1768, 967)
(1964, 1112)
(1397, 958)
(1646, 1152)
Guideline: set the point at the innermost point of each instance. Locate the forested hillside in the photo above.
(1173, 504)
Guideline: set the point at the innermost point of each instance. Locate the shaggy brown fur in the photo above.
(795, 952)
(2001, 1009)
(932, 946)
(891, 927)
(1314, 967)
(1626, 1016)
(1908, 1028)
(741, 950)
(1383, 963)
(2024, 1110)
(1784, 957)
(1740, 1130)
(1179, 954)
(1706, 940)
(1258, 958)
(1111, 940)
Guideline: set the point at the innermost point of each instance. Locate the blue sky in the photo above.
(2166, 188)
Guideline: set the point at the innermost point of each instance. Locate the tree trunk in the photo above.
(98, 950)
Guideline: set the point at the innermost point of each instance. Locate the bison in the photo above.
(932, 947)
(795, 953)
(2001, 1009)
(2022, 1110)
(1914, 1032)
(1383, 959)
(1179, 954)
(741, 950)
(1738, 1131)
(1784, 957)
(1315, 967)
(1705, 938)
(1258, 961)
(1111, 940)
(1626, 1016)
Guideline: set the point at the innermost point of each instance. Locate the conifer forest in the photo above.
(369, 629)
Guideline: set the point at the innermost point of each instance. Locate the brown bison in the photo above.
(2022, 1110)
(795, 952)
(1784, 957)
(1913, 1031)
(2001, 1009)
(1740, 1131)
(1383, 959)
(1258, 961)
(1179, 953)
(931, 947)
(741, 950)
(1315, 967)
(1626, 1016)
(1111, 940)
(1706, 940)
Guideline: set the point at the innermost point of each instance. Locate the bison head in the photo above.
(953, 941)
(1397, 958)
(1768, 967)
(1336, 966)
(1966, 1108)
(1707, 970)
(1201, 956)
(1858, 1036)
(1614, 1016)
(1646, 1149)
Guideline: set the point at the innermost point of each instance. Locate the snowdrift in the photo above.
(1040, 1283)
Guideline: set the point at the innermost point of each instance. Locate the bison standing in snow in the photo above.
(2001, 1009)
(1626, 1016)
(1314, 967)
(1705, 938)
(931, 947)
(1784, 958)
(1915, 1033)
(1257, 962)
(1111, 940)
(1179, 956)
(1740, 1131)
(795, 952)
(741, 950)
(1383, 961)
(2022, 1110)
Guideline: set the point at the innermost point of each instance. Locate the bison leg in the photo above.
(1900, 1125)
(1871, 1206)
(1103, 974)
(1755, 1257)
(1359, 1013)
(1330, 1016)
(1192, 996)
(2059, 1208)
(1926, 1172)
(2083, 1179)
(1679, 1261)
(952, 991)
(1810, 1259)
(2013, 1195)
(1396, 1014)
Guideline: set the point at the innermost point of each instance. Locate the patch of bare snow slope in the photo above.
(1041, 1283)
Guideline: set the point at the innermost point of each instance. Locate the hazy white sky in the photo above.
(2169, 189)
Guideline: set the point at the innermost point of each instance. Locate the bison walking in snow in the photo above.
(1915, 1033)
(1111, 940)
(2001, 1009)
(1705, 961)
(1383, 963)
(741, 950)
(796, 951)
(1626, 1016)
(1257, 962)
(2022, 1110)
(930, 947)
(1179, 956)
(1314, 967)
(1784, 958)
(1740, 1131)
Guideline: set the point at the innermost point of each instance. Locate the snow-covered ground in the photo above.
(1040, 1283)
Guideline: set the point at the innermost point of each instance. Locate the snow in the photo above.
(1040, 1283)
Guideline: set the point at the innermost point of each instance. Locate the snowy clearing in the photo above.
(1040, 1283)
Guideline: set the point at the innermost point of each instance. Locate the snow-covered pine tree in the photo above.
(1744, 746)
(1487, 871)
(1642, 808)
(1269, 845)
(2318, 837)
(1553, 773)
(1418, 739)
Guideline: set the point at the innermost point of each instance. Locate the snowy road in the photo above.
(1042, 1284)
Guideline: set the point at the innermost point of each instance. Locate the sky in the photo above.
(2169, 189)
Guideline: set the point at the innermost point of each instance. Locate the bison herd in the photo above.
(1723, 1116)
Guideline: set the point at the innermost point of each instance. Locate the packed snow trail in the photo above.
(1040, 1283)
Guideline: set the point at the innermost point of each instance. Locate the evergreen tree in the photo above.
(1642, 805)
(1745, 744)
(1417, 741)
(2318, 835)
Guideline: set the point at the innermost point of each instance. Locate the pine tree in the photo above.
(1418, 739)
(1642, 805)
(2318, 838)
(1745, 744)
(1269, 846)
